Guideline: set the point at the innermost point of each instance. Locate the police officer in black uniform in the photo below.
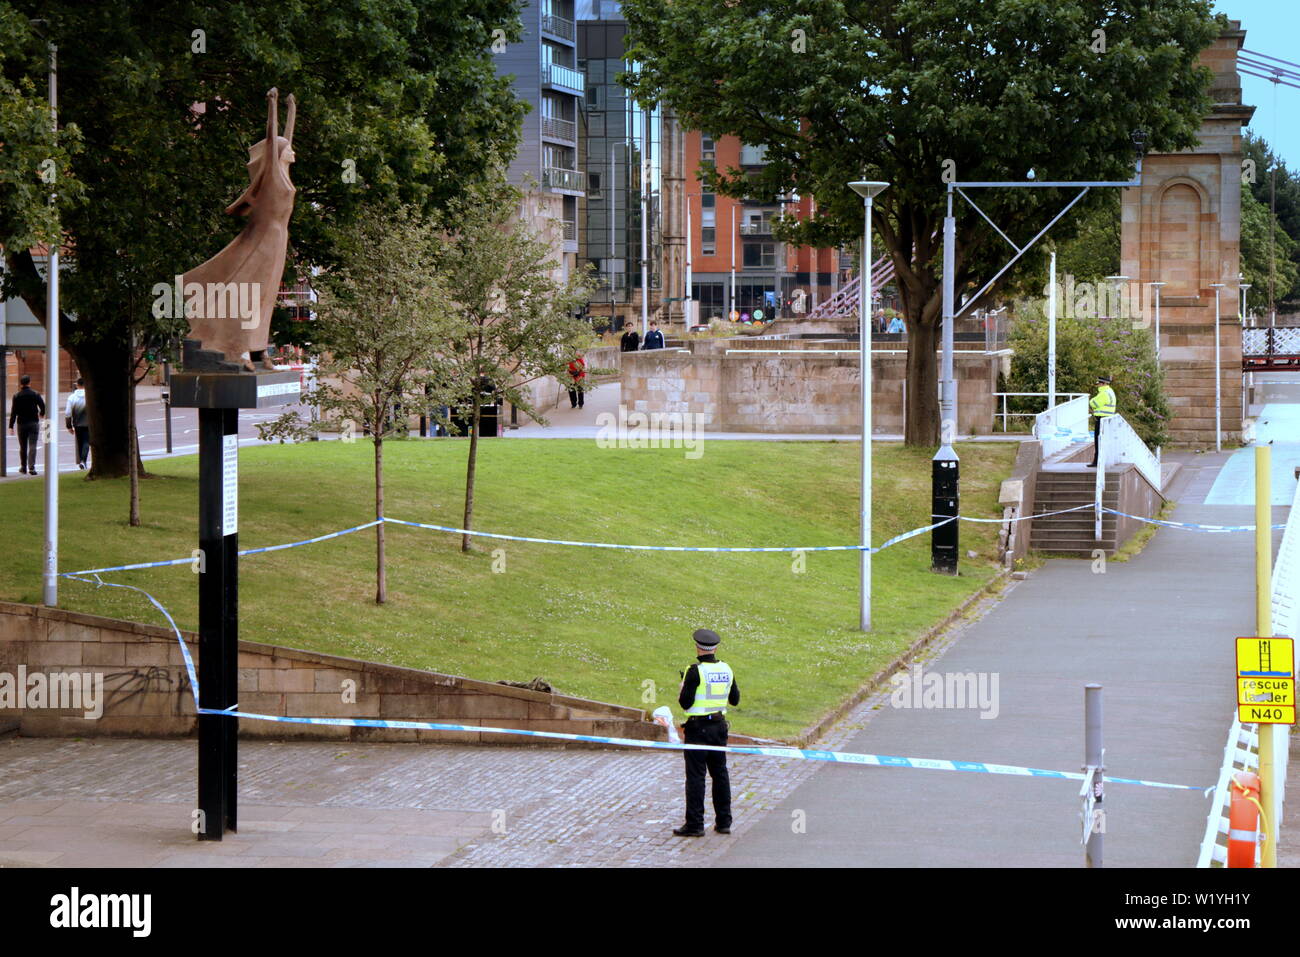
(708, 687)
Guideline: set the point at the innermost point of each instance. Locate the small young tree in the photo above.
(380, 319)
(515, 322)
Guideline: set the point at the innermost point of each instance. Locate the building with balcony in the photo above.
(732, 240)
(627, 150)
(544, 69)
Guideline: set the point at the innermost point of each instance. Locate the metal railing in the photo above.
(756, 229)
(1004, 414)
(558, 25)
(563, 76)
(559, 129)
(557, 178)
(569, 229)
(1059, 428)
(1122, 446)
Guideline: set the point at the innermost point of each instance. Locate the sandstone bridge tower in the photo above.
(1182, 226)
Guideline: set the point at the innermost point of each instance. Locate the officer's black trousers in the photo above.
(1096, 438)
(701, 763)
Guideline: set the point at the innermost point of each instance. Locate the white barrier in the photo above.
(1242, 752)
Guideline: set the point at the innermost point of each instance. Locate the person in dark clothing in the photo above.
(26, 411)
(654, 339)
(708, 687)
(630, 342)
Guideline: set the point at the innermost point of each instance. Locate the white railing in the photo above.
(558, 178)
(1283, 340)
(1004, 414)
(560, 26)
(1059, 428)
(1243, 740)
(1123, 446)
(559, 129)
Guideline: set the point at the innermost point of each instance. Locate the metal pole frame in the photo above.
(864, 359)
(1269, 746)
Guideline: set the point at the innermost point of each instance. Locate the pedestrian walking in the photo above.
(577, 372)
(1102, 407)
(631, 340)
(77, 420)
(708, 687)
(654, 339)
(25, 412)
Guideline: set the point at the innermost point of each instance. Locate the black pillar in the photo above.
(947, 503)
(218, 619)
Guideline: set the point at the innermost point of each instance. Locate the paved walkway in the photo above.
(1156, 632)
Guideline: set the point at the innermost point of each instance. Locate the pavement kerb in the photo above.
(813, 733)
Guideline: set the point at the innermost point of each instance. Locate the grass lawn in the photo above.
(611, 625)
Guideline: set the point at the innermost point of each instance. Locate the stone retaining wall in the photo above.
(147, 690)
(817, 392)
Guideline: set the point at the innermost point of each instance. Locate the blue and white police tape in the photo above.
(806, 754)
(1194, 526)
(185, 651)
(556, 541)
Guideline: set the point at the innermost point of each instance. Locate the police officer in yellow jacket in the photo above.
(707, 688)
(1102, 407)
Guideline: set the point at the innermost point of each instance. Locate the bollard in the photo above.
(946, 499)
(1093, 754)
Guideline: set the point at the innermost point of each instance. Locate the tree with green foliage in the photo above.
(1087, 347)
(382, 315)
(399, 102)
(1273, 187)
(516, 321)
(907, 91)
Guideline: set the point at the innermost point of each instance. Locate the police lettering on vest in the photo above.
(714, 687)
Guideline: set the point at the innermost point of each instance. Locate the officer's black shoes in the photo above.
(688, 832)
(722, 829)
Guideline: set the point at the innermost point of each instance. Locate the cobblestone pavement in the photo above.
(100, 802)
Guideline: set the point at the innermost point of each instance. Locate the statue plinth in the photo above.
(234, 390)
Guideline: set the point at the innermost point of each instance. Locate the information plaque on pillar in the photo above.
(1266, 680)
(229, 484)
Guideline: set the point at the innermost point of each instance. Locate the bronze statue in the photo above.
(229, 298)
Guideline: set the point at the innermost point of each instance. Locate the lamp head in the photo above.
(866, 188)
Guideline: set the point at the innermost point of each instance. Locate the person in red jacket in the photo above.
(577, 372)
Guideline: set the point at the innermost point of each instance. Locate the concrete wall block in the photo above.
(104, 653)
(286, 680)
(58, 654)
(151, 653)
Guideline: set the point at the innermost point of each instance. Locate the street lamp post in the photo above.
(1051, 339)
(1156, 297)
(689, 301)
(731, 242)
(50, 591)
(1218, 379)
(868, 190)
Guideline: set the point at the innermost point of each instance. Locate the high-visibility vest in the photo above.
(713, 690)
(1102, 405)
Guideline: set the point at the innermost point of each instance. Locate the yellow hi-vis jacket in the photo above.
(1102, 405)
(714, 688)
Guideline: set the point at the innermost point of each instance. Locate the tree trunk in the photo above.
(381, 572)
(469, 471)
(922, 385)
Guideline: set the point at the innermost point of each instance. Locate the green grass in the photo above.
(596, 623)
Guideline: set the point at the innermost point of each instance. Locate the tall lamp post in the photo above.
(731, 243)
(1218, 379)
(868, 190)
(1156, 296)
(50, 591)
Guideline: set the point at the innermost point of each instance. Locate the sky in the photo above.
(1273, 28)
